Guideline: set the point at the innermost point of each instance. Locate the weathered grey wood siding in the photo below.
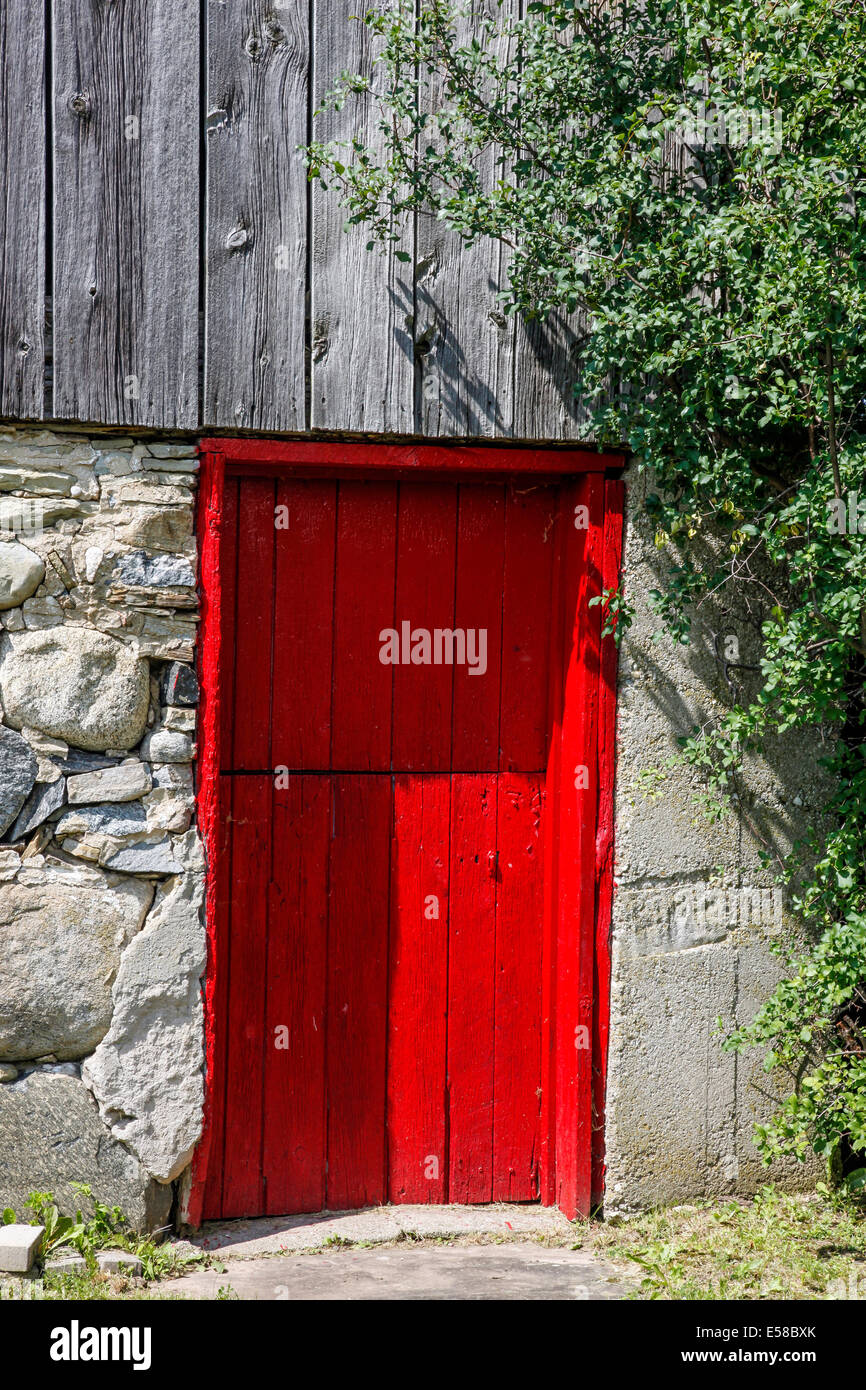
(22, 208)
(196, 280)
(255, 312)
(126, 118)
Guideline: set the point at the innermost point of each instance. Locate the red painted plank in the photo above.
(530, 517)
(228, 618)
(303, 623)
(245, 1018)
(471, 972)
(478, 606)
(254, 634)
(614, 495)
(576, 881)
(293, 1153)
(426, 545)
(217, 543)
(357, 990)
(363, 607)
(517, 1004)
(417, 1012)
(550, 924)
(423, 458)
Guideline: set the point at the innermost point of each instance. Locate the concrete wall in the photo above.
(695, 911)
(101, 872)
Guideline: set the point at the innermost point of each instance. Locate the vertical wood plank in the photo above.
(478, 605)
(221, 887)
(576, 830)
(517, 1004)
(22, 209)
(293, 1149)
(614, 502)
(243, 1190)
(552, 794)
(242, 1186)
(303, 623)
(363, 607)
(258, 70)
(126, 234)
(254, 639)
(464, 342)
(471, 983)
(228, 619)
(418, 981)
(529, 522)
(547, 371)
(360, 379)
(426, 548)
(358, 990)
(217, 537)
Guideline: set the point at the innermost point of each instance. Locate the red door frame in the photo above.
(578, 885)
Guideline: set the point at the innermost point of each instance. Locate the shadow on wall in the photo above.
(513, 379)
(697, 915)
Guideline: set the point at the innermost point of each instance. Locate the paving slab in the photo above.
(518, 1270)
(273, 1235)
(19, 1245)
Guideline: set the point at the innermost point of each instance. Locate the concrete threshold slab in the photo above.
(521, 1270)
(275, 1235)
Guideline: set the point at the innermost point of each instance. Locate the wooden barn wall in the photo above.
(165, 262)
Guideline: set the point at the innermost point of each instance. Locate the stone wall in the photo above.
(696, 910)
(101, 871)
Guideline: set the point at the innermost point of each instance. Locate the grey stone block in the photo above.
(78, 761)
(118, 1262)
(19, 1246)
(141, 570)
(18, 769)
(76, 684)
(118, 820)
(147, 1073)
(66, 1264)
(178, 685)
(144, 857)
(21, 573)
(51, 1136)
(126, 782)
(167, 746)
(62, 940)
(43, 801)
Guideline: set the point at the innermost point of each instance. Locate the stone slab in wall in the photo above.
(61, 941)
(146, 1073)
(51, 1136)
(76, 684)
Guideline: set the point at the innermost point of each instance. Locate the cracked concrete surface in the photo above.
(397, 1253)
(514, 1271)
(275, 1235)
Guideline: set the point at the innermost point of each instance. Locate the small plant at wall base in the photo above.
(689, 177)
(106, 1229)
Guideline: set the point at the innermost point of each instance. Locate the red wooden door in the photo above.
(394, 661)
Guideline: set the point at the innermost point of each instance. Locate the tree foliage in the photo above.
(689, 176)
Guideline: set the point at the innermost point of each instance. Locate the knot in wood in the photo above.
(253, 47)
(79, 104)
(274, 31)
(237, 238)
